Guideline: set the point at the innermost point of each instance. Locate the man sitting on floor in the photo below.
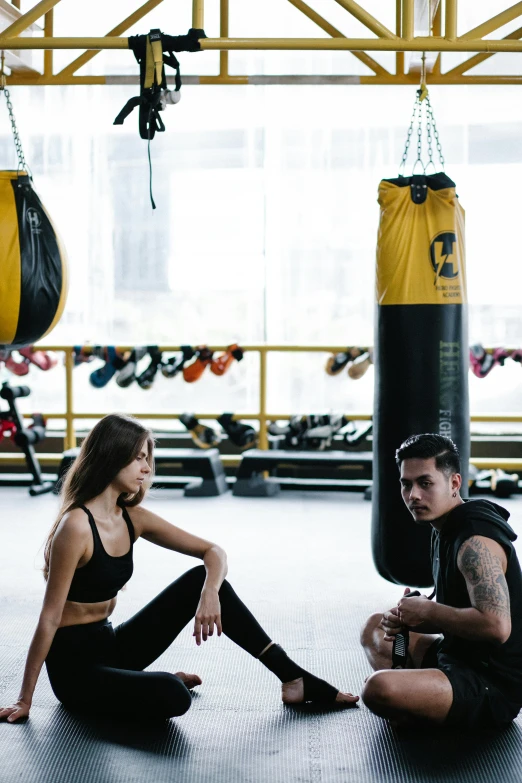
(469, 675)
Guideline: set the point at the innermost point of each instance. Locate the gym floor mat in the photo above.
(302, 563)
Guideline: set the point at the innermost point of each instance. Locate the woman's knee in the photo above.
(369, 628)
(380, 691)
(196, 575)
(174, 696)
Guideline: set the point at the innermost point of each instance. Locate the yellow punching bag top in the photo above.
(420, 246)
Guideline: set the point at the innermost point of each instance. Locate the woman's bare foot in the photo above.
(293, 693)
(189, 680)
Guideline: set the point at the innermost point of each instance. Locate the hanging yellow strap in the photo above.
(423, 92)
(153, 63)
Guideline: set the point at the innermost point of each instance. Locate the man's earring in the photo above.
(454, 494)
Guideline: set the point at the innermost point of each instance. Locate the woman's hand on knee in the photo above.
(15, 711)
(208, 615)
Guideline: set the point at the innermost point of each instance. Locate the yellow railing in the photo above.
(262, 415)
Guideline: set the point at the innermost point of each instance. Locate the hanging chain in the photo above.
(431, 118)
(419, 136)
(431, 133)
(428, 134)
(22, 165)
(408, 137)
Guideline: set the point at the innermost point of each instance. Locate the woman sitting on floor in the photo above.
(88, 559)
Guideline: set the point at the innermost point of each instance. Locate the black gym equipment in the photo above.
(244, 436)
(32, 257)
(207, 466)
(153, 52)
(250, 481)
(26, 438)
(421, 352)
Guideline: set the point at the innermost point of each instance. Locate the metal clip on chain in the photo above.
(422, 98)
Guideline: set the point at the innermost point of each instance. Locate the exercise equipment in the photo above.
(250, 477)
(242, 435)
(360, 366)
(153, 52)
(311, 432)
(204, 437)
(207, 466)
(25, 438)
(497, 481)
(19, 368)
(42, 359)
(336, 363)
(83, 354)
(175, 364)
(401, 643)
(127, 374)
(194, 371)
(222, 363)
(113, 362)
(482, 361)
(421, 347)
(33, 283)
(146, 379)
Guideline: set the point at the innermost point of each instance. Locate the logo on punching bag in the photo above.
(444, 259)
(33, 218)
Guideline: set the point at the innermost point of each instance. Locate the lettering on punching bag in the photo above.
(445, 262)
(449, 367)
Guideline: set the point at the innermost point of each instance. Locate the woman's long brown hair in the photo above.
(110, 446)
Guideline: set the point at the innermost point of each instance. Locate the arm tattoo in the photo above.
(482, 570)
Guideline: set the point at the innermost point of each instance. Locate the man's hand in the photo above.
(208, 614)
(391, 623)
(414, 611)
(15, 711)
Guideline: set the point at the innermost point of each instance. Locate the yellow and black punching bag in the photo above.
(33, 264)
(421, 355)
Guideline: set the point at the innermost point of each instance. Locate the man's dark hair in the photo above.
(447, 456)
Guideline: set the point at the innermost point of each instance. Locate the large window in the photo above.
(265, 226)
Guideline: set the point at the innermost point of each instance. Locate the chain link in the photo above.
(431, 116)
(408, 137)
(431, 133)
(22, 165)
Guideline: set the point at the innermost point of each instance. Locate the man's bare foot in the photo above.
(189, 680)
(293, 693)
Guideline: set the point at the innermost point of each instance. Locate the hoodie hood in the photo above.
(482, 511)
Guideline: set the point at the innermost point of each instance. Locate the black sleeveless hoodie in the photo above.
(501, 663)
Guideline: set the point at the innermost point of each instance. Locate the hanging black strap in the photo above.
(149, 52)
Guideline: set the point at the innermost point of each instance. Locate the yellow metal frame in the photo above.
(403, 39)
(263, 416)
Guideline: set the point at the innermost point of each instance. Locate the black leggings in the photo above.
(95, 667)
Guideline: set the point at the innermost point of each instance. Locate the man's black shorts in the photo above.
(477, 703)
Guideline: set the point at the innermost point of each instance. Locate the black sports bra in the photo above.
(103, 575)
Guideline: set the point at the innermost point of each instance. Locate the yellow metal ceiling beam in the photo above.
(48, 32)
(399, 56)
(451, 20)
(479, 58)
(118, 30)
(494, 23)
(331, 30)
(311, 79)
(366, 19)
(198, 14)
(29, 18)
(418, 44)
(408, 20)
(223, 33)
